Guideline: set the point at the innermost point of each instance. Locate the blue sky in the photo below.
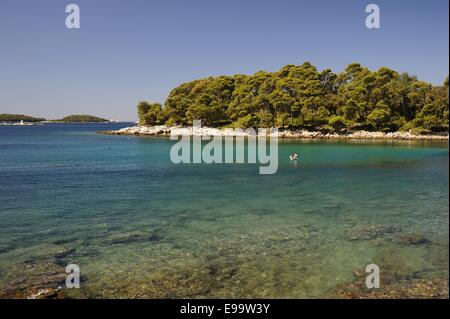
(127, 51)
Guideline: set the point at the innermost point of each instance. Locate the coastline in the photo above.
(286, 134)
(49, 122)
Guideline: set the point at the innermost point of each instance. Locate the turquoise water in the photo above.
(139, 226)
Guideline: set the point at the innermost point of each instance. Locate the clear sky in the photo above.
(127, 51)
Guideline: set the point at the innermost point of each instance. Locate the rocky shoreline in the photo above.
(287, 134)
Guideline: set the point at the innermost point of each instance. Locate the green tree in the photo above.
(380, 117)
(151, 113)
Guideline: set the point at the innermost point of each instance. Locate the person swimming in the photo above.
(293, 159)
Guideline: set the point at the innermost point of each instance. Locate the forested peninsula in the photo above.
(302, 97)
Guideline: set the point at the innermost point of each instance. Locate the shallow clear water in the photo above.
(140, 226)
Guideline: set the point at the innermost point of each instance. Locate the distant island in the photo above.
(300, 97)
(81, 119)
(14, 118)
(17, 118)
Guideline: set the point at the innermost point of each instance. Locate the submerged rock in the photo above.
(369, 232)
(35, 280)
(89, 252)
(46, 293)
(61, 257)
(5, 248)
(133, 237)
(415, 289)
(413, 239)
(65, 253)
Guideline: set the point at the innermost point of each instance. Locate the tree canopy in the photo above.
(301, 96)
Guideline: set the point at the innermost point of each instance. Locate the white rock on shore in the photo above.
(162, 130)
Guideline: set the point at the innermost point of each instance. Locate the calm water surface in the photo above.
(140, 226)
